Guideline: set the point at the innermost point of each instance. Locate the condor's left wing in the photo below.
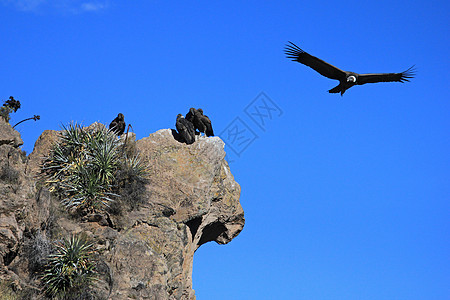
(387, 77)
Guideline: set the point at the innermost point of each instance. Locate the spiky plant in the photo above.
(103, 152)
(86, 166)
(71, 269)
(65, 155)
(81, 167)
(85, 190)
(135, 166)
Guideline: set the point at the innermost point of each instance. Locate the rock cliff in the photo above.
(146, 252)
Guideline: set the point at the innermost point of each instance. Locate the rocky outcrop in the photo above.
(12, 197)
(147, 252)
(8, 136)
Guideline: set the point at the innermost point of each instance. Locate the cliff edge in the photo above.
(144, 252)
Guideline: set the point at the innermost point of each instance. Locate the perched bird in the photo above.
(118, 124)
(198, 122)
(201, 122)
(194, 117)
(190, 115)
(346, 79)
(185, 129)
(207, 122)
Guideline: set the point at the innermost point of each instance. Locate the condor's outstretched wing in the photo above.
(296, 54)
(387, 77)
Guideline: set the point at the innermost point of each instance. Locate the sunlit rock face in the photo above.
(191, 198)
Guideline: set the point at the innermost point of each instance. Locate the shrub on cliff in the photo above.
(71, 269)
(37, 248)
(10, 105)
(130, 185)
(85, 167)
(9, 174)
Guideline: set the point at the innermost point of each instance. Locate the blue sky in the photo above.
(345, 197)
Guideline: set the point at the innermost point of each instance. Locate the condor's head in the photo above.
(352, 79)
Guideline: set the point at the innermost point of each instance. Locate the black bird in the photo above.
(185, 129)
(190, 115)
(118, 124)
(194, 117)
(197, 120)
(207, 122)
(346, 79)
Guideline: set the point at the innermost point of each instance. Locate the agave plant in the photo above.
(85, 190)
(81, 167)
(135, 166)
(64, 155)
(103, 153)
(86, 166)
(71, 268)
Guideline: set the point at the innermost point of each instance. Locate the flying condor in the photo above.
(185, 129)
(346, 79)
(118, 124)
